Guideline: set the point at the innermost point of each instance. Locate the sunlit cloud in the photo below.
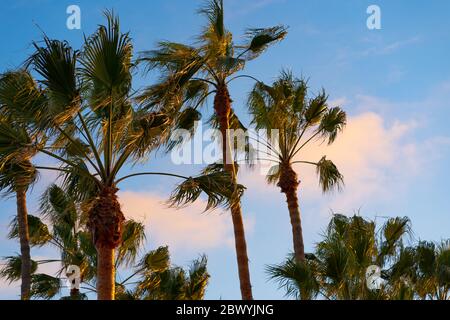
(189, 228)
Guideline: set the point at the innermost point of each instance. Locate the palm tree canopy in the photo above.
(297, 120)
(337, 269)
(191, 73)
(19, 101)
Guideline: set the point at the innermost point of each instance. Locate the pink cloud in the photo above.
(188, 228)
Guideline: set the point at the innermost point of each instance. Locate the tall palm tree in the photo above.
(191, 73)
(284, 106)
(92, 130)
(337, 269)
(18, 96)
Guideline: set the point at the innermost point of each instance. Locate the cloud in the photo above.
(392, 47)
(184, 229)
(243, 7)
(378, 160)
(372, 47)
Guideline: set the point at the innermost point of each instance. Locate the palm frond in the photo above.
(20, 98)
(44, 286)
(298, 279)
(198, 279)
(11, 271)
(261, 38)
(333, 122)
(38, 231)
(133, 237)
(106, 60)
(216, 184)
(213, 10)
(329, 176)
(155, 261)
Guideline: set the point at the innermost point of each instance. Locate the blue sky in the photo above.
(394, 83)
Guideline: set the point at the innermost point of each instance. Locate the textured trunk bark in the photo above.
(289, 186)
(297, 232)
(105, 224)
(24, 237)
(222, 107)
(105, 273)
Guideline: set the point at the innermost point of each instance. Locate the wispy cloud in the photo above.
(244, 7)
(374, 46)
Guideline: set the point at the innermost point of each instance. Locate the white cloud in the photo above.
(188, 228)
(378, 160)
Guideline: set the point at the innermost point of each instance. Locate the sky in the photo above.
(394, 84)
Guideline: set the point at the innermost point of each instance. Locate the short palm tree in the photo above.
(92, 130)
(158, 280)
(67, 231)
(298, 121)
(191, 73)
(338, 268)
(18, 95)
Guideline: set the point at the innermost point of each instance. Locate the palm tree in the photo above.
(153, 276)
(191, 73)
(298, 121)
(337, 270)
(92, 130)
(18, 97)
(67, 231)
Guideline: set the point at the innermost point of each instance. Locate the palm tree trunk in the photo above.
(24, 237)
(105, 224)
(289, 186)
(222, 107)
(105, 274)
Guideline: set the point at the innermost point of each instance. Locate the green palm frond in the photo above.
(426, 258)
(11, 270)
(393, 231)
(106, 60)
(298, 279)
(443, 265)
(185, 120)
(333, 122)
(329, 175)
(56, 205)
(198, 279)
(15, 143)
(261, 38)
(316, 109)
(17, 176)
(56, 63)
(213, 10)
(44, 286)
(273, 176)
(133, 237)
(155, 261)
(38, 231)
(146, 132)
(216, 184)
(404, 266)
(78, 182)
(20, 98)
